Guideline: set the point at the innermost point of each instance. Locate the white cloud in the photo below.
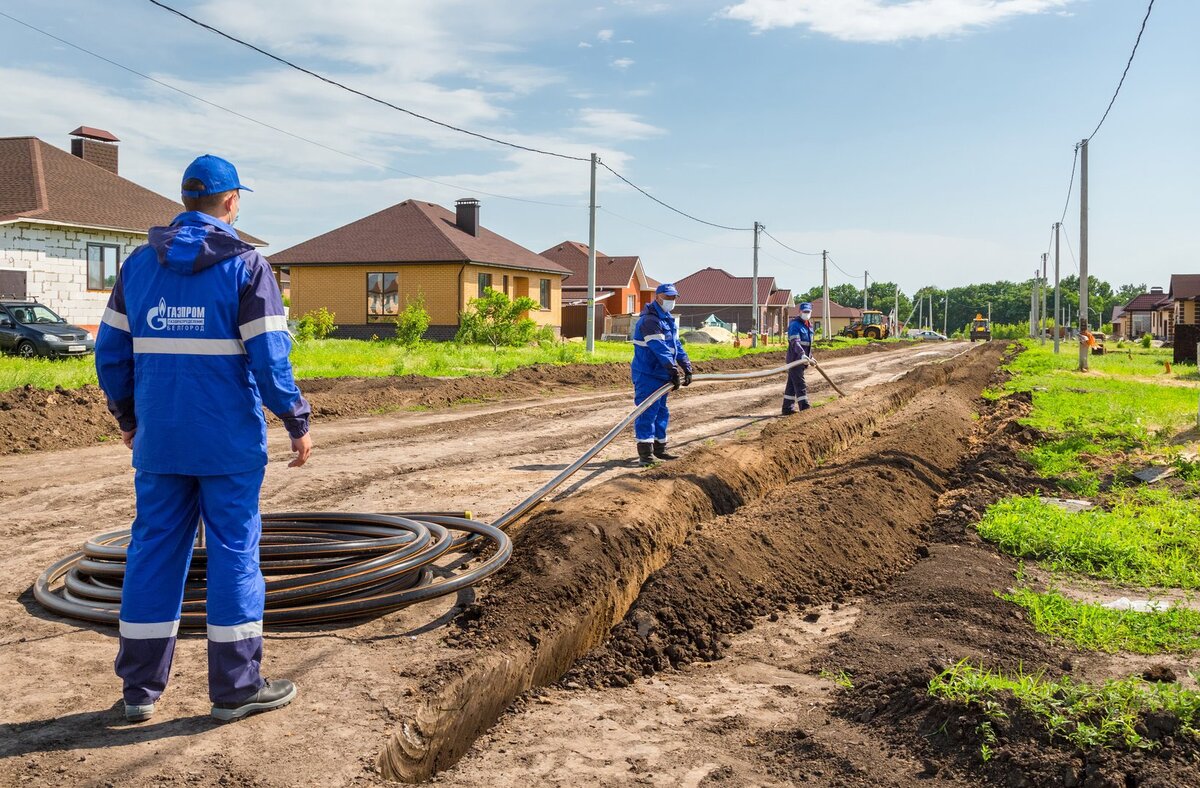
(877, 21)
(625, 41)
(584, 45)
(614, 125)
(622, 63)
(605, 35)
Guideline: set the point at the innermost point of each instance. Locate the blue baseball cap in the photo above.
(215, 173)
(806, 307)
(666, 288)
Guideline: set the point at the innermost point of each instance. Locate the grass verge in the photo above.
(1086, 715)
(1096, 628)
(1149, 537)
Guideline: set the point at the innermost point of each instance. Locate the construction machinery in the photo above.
(981, 328)
(872, 325)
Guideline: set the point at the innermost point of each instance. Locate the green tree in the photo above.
(1126, 293)
(317, 324)
(495, 319)
(412, 323)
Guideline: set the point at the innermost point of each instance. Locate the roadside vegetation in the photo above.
(1093, 627)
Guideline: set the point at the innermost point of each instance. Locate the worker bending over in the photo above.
(800, 339)
(658, 356)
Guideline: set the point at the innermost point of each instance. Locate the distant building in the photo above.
(713, 291)
(366, 271)
(68, 221)
(839, 316)
(622, 288)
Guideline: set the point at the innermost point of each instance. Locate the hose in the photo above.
(331, 566)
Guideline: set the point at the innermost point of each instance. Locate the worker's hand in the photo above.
(127, 438)
(675, 379)
(303, 447)
(687, 376)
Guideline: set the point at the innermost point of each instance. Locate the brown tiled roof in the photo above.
(716, 287)
(412, 232)
(836, 310)
(94, 133)
(1146, 302)
(1184, 287)
(780, 298)
(610, 271)
(43, 183)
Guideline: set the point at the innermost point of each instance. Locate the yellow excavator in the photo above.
(872, 325)
(981, 328)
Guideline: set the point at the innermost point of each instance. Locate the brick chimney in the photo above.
(96, 146)
(467, 215)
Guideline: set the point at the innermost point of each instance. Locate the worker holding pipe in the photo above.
(800, 340)
(658, 357)
(193, 343)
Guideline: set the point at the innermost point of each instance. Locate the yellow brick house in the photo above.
(366, 271)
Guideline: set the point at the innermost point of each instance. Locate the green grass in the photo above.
(1086, 715)
(1148, 538)
(334, 358)
(1112, 411)
(1096, 628)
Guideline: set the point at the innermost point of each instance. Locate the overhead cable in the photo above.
(664, 232)
(790, 249)
(1124, 73)
(1070, 185)
(361, 93)
(274, 128)
(838, 267)
(663, 204)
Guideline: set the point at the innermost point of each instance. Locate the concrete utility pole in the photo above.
(1032, 303)
(946, 315)
(896, 311)
(1083, 261)
(989, 315)
(1057, 304)
(825, 320)
(1043, 323)
(754, 286)
(591, 302)
(865, 290)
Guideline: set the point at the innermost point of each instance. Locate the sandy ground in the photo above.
(58, 695)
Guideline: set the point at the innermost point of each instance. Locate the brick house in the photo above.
(622, 288)
(366, 271)
(68, 220)
(1184, 295)
(713, 291)
(839, 316)
(1142, 315)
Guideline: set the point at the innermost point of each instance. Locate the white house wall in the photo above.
(55, 262)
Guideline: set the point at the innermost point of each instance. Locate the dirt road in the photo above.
(59, 690)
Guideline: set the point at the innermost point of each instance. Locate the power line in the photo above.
(664, 232)
(785, 246)
(368, 96)
(663, 204)
(1070, 185)
(1128, 63)
(838, 267)
(274, 128)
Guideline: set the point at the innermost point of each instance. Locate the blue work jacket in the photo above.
(800, 338)
(656, 345)
(192, 344)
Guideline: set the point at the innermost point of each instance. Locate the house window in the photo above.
(102, 266)
(383, 297)
(544, 293)
(505, 280)
(485, 282)
(631, 304)
(1141, 325)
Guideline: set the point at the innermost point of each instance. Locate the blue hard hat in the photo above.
(805, 306)
(215, 173)
(667, 289)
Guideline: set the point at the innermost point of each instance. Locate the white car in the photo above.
(931, 335)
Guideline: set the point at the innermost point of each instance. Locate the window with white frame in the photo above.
(102, 265)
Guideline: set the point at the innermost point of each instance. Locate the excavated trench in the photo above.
(824, 503)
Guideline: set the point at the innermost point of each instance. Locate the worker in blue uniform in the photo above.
(192, 344)
(800, 340)
(658, 357)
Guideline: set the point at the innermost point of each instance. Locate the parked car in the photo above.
(30, 329)
(931, 335)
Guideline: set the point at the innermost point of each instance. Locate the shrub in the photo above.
(1146, 340)
(495, 319)
(317, 324)
(412, 323)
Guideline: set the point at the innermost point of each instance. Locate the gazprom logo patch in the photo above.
(175, 318)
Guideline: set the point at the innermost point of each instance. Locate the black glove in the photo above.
(687, 376)
(675, 381)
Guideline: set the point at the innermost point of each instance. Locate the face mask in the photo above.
(668, 304)
(805, 315)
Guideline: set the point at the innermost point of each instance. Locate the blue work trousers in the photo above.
(652, 424)
(169, 508)
(795, 393)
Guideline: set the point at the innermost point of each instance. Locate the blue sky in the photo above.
(927, 141)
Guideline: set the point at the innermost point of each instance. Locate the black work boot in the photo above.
(644, 457)
(660, 451)
(273, 695)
